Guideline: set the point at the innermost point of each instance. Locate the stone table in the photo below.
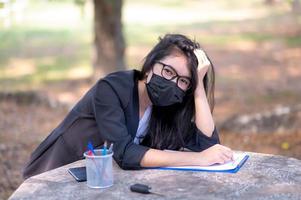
(262, 177)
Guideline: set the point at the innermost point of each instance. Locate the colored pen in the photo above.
(105, 148)
(111, 148)
(90, 147)
(91, 152)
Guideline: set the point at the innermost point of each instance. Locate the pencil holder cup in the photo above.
(99, 169)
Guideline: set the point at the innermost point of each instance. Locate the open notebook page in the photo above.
(238, 157)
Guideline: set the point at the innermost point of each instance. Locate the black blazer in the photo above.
(109, 111)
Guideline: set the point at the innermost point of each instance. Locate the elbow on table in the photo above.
(130, 157)
(126, 166)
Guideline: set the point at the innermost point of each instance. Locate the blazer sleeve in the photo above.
(198, 141)
(110, 119)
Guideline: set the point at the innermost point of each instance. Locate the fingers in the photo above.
(228, 156)
(217, 154)
(225, 154)
(223, 158)
(228, 152)
(202, 58)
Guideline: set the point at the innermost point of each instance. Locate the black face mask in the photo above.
(163, 92)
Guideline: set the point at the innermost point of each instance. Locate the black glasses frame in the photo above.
(176, 76)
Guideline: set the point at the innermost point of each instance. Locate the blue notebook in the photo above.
(230, 167)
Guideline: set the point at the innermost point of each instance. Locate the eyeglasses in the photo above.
(169, 73)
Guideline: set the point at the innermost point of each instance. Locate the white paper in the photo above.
(238, 157)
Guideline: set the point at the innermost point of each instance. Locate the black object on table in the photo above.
(143, 189)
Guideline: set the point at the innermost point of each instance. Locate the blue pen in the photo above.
(90, 147)
(105, 148)
(92, 153)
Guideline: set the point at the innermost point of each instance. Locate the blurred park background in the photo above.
(49, 58)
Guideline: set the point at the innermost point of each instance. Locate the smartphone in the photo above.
(78, 173)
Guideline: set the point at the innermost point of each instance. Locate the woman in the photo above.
(168, 105)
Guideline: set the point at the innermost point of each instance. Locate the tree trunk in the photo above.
(109, 40)
(270, 2)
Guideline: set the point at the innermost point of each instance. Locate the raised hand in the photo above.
(204, 63)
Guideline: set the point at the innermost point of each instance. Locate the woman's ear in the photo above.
(148, 76)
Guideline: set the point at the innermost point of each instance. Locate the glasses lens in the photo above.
(168, 72)
(184, 83)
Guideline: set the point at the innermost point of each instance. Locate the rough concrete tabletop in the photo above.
(262, 177)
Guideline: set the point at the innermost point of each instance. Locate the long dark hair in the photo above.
(169, 126)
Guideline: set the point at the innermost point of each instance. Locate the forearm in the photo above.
(203, 117)
(159, 158)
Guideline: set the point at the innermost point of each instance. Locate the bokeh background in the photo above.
(47, 54)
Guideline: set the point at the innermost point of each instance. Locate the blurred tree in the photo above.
(109, 41)
(270, 2)
(296, 6)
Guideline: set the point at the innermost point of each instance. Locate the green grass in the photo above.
(38, 42)
(52, 49)
(147, 36)
(293, 41)
(53, 52)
